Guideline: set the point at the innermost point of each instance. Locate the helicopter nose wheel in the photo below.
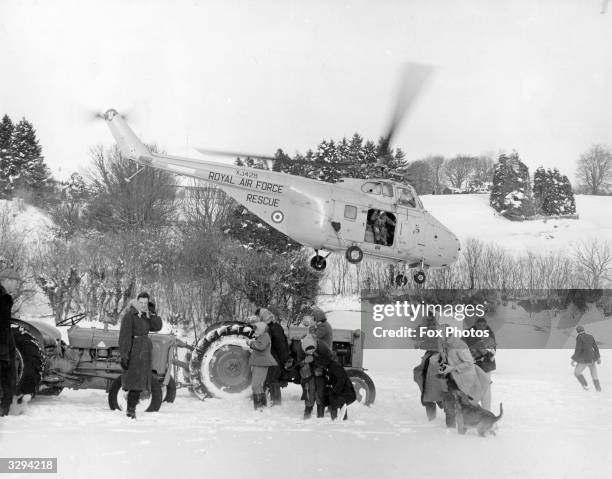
(354, 254)
(401, 280)
(419, 277)
(318, 263)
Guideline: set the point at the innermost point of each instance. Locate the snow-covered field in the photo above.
(471, 216)
(551, 429)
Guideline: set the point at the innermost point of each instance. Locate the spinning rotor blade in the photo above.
(234, 154)
(413, 79)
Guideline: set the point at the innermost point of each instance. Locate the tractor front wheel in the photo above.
(364, 386)
(29, 361)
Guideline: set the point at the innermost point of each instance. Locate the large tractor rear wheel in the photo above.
(364, 386)
(117, 397)
(219, 365)
(29, 361)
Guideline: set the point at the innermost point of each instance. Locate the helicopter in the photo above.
(378, 218)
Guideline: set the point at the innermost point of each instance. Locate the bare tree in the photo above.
(595, 168)
(594, 262)
(459, 169)
(436, 163)
(120, 202)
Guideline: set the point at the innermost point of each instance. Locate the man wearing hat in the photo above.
(586, 354)
(9, 281)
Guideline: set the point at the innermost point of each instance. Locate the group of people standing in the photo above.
(450, 362)
(309, 361)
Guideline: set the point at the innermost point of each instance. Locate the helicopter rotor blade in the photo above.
(413, 78)
(234, 154)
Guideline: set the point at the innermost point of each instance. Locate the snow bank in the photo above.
(471, 216)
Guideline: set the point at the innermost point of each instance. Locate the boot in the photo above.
(597, 385)
(263, 401)
(320, 411)
(4, 410)
(275, 394)
(334, 413)
(132, 401)
(308, 412)
(583, 382)
(256, 401)
(430, 409)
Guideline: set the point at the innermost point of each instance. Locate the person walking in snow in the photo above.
(8, 280)
(136, 349)
(261, 359)
(279, 348)
(586, 354)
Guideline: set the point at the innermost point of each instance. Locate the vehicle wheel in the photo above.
(419, 277)
(364, 386)
(318, 263)
(219, 365)
(354, 254)
(169, 394)
(117, 397)
(401, 280)
(29, 361)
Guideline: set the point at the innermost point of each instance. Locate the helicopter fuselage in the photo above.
(385, 219)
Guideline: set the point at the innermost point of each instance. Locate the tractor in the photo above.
(217, 365)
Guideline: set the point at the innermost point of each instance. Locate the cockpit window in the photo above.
(387, 189)
(407, 198)
(371, 187)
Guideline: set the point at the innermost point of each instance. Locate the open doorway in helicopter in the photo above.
(380, 227)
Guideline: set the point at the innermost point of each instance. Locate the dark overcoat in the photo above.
(135, 346)
(280, 345)
(341, 390)
(586, 350)
(7, 344)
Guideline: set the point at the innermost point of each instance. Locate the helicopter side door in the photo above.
(414, 226)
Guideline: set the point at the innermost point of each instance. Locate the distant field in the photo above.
(471, 216)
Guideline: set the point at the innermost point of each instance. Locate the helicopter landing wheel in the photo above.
(401, 280)
(354, 254)
(318, 263)
(419, 277)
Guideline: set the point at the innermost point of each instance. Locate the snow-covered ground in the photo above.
(471, 216)
(551, 429)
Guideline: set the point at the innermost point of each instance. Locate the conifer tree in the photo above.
(6, 155)
(511, 193)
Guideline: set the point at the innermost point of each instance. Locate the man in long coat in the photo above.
(9, 279)
(136, 349)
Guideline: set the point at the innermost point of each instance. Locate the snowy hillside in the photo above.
(471, 216)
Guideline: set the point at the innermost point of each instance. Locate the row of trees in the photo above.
(488, 266)
(513, 195)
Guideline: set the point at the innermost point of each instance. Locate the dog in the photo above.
(469, 415)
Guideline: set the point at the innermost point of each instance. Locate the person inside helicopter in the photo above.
(380, 227)
(406, 198)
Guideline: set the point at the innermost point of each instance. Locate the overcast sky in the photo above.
(534, 76)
